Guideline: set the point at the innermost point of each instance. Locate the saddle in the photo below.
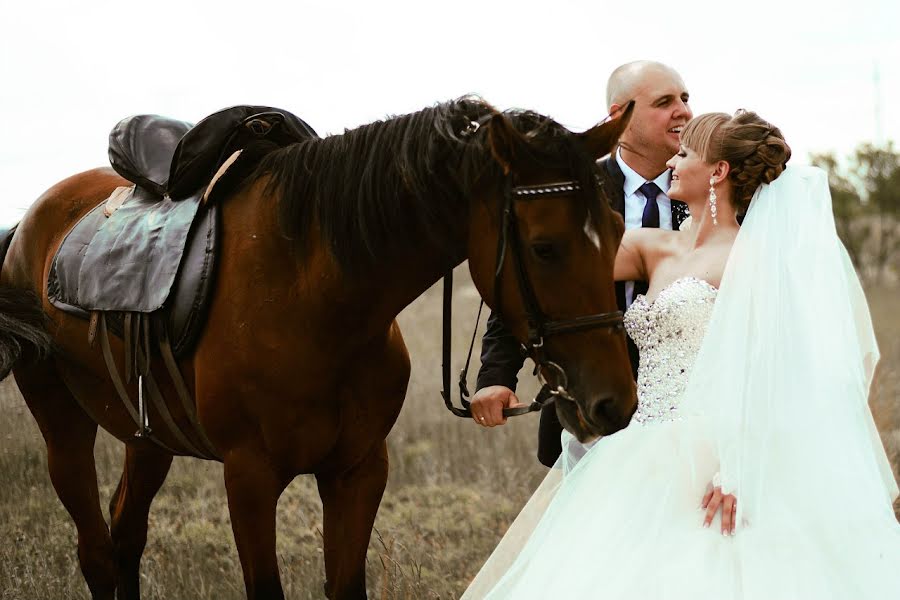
(141, 264)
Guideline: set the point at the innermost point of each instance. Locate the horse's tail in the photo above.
(22, 321)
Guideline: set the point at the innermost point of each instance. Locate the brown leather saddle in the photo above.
(157, 249)
(142, 263)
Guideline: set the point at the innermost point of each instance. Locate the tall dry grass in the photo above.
(452, 491)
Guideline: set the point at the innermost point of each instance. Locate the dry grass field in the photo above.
(453, 489)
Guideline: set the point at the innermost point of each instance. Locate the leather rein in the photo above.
(540, 326)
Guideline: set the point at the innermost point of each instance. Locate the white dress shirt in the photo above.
(635, 202)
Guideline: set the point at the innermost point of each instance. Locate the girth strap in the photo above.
(117, 381)
(187, 402)
(137, 334)
(159, 403)
(127, 333)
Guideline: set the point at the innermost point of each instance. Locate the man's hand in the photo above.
(715, 499)
(488, 404)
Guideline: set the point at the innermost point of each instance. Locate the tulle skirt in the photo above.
(626, 523)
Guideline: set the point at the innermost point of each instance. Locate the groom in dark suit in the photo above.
(636, 180)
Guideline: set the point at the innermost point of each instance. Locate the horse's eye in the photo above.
(545, 252)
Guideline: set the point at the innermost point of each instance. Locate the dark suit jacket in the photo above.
(501, 358)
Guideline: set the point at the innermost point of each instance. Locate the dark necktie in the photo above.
(651, 210)
(650, 219)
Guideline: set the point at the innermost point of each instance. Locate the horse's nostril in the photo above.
(600, 410)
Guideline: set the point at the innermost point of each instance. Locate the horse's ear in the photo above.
(601, 139)
(506, 143)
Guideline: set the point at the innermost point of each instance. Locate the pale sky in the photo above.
(70, 70)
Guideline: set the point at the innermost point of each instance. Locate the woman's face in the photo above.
(690, 176)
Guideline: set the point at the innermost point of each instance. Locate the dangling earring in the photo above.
(712, 200)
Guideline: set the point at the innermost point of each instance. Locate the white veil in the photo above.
(783, 375)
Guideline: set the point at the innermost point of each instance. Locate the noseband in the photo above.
(540, 326)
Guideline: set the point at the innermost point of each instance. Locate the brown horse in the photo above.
(301, 367)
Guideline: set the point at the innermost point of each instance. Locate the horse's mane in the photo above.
(395, 183)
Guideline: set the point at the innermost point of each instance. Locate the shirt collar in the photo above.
(633, 180)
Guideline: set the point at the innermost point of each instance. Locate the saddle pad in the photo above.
(126, 262)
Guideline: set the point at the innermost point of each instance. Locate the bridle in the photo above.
(540, 327)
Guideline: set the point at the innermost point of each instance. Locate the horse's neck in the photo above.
(396, 283)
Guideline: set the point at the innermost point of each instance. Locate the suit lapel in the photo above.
(613, 181)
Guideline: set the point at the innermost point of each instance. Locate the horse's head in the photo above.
(542, 246)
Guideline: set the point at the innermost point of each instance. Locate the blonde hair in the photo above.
(754, 149)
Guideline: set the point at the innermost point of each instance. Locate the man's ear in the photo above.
(507, 145)
(600, 140)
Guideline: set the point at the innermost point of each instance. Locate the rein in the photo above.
(539, 325)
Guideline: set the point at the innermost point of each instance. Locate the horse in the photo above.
(301, 367)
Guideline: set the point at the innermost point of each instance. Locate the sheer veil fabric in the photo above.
(777, 404)
(784, 372)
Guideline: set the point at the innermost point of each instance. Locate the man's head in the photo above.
(661, 108)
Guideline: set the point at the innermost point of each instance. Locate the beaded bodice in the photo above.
(668, 332)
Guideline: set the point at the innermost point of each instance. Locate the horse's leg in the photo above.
(69, 434)
(253, 488)
(144, 472)
(350, 501)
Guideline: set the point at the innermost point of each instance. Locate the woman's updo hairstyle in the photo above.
(754, 149)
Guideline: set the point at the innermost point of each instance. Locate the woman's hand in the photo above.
(714, 499)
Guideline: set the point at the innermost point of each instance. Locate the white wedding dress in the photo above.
(625, 522)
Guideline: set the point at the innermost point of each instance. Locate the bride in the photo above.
(752, 469)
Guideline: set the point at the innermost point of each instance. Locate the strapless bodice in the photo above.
(668, 332)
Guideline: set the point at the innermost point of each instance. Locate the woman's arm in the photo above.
(628, 259)
(631, 263)
(640, 251)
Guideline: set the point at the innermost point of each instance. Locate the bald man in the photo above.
(636, 179)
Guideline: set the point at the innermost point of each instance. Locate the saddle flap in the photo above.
(141, 149)
(187, 303)
(127, 261)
